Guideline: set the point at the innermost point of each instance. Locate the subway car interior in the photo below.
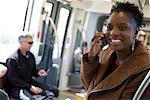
(58, 28)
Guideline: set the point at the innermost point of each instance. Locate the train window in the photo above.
(146, 32)
(142, 3)
(101, 23)
(7, 45)
(11, 23)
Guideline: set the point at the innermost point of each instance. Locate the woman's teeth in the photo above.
(116, 41)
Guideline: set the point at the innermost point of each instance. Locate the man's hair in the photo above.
(129, 8)
(22, 38)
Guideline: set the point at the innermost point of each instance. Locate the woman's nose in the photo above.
(114, 32)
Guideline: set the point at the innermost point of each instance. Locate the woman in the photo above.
(123, 64)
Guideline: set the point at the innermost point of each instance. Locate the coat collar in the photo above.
(137, 62)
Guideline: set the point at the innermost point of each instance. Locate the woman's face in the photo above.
(121, 29)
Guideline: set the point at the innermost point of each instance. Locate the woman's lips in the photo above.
(115, 41)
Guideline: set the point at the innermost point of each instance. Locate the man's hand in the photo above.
(36, 90)
(42, 73)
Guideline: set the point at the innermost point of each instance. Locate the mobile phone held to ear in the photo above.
(104, 41)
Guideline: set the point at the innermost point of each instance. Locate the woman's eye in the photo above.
(122, 27)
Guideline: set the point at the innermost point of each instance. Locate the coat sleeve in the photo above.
(13, 77)
(88, 70)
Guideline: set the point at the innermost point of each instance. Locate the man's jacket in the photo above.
(21, 69)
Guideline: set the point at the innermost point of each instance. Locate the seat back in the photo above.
(3, 94)
(2, 82)
(74, 80)
(145, 83)
(2, 74)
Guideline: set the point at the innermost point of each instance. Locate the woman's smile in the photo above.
(115, 42)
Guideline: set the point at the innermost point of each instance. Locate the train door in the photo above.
(53, 35)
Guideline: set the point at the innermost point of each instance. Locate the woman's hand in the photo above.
(42, 73)
(96, 45)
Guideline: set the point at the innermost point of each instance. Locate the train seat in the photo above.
(2, 82)
(75, 80)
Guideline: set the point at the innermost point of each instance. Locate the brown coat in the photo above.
(122, 82)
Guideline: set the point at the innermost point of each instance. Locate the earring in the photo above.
(133, 45)
(100, 56)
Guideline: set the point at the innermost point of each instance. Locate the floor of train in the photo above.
(72, 95)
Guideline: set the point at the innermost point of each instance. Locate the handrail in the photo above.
(3, 95)
(56, 34)
(145, 83)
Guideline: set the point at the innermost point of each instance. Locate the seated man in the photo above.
(22, 68)
(78, 55)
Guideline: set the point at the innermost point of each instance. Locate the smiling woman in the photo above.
(121, 70)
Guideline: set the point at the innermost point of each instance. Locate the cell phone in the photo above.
(104, 41)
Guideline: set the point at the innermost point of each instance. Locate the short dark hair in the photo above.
(129, 8)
